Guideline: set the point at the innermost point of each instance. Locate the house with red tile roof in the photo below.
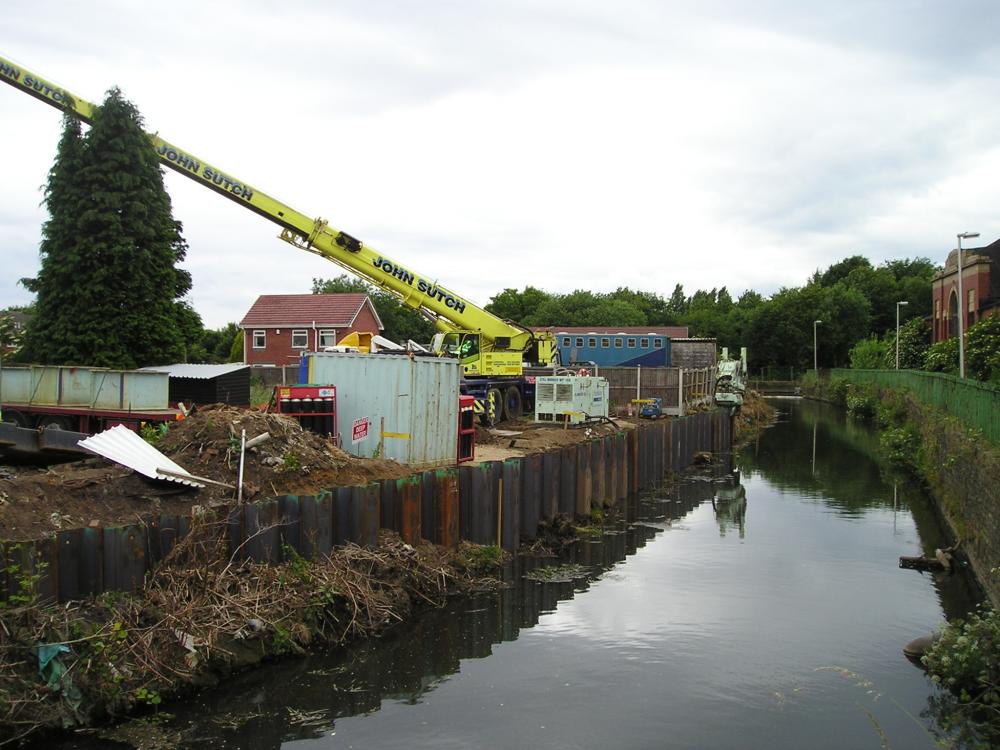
(279, 328)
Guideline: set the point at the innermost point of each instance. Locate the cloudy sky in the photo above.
(563, 144)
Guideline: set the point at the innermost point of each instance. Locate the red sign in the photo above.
(359, 431)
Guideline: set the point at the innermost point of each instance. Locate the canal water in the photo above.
(768, 613)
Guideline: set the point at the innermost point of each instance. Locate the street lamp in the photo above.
(898, 305)
(961, 305)
(815, 350)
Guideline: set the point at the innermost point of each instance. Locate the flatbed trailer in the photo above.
(81, 418)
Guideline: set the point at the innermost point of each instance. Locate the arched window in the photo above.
(952, 314)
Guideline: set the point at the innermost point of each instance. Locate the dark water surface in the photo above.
(764, 616)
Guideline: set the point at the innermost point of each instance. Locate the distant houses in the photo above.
(279, 328)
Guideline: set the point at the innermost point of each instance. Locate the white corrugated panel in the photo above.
(121, 445)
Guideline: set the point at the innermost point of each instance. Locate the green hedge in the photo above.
(975, 404)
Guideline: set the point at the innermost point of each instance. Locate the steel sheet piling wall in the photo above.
(466, 505)
(531, 495)
(584, 489)
(494, 502)
(410, 527)
(599, 471)
(446, 508)
(551, 467)
(567, 481)
(511, 506)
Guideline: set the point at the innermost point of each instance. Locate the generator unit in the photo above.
(570, 399)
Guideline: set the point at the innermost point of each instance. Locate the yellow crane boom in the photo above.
(493, 346)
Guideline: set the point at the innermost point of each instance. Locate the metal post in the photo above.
(898, 304)
(815, 350)
(680, 390)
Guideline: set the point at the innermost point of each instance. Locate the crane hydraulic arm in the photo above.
(492, 346)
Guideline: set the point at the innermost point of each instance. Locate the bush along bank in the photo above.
(959, 467)
(204, 615)
(962, 472)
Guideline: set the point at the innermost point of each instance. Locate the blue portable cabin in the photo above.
(614, 349)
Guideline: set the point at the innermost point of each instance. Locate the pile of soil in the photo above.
(292, 462)
(38, 502)
(524, 436)
(754, 416)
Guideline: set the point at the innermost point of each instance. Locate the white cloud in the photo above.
(564, 146)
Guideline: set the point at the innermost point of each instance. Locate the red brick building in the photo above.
(980, 287)
(279, 328)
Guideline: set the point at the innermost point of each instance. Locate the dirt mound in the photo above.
(38, 502)
(292, 462)
(754, 416)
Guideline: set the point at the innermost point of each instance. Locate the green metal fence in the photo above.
(976, 404)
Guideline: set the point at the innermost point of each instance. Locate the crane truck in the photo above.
(492, 351)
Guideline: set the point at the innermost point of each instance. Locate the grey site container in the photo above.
(409, 405)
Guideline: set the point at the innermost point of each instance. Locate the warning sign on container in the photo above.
(359, 431)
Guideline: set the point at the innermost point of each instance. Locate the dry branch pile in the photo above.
(202, 615)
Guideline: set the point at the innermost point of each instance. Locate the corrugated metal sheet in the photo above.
(200, 372)
(121, 445)
(417, 399)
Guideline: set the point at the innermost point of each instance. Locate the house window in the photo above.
(566, 341)
(579, 341)
(937, 309)
(618, 343)
(643, 343)
(605, 342)
(592, 343)
(972, 300)
(259, 339)
(657, 343)
(631, 343)
(300, 338)
(327, 338)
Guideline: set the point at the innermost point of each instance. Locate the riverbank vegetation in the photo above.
(202, 615)
(962, 471)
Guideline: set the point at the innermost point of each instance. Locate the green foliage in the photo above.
(25, 579)
(942, 356)
(218, 346)
(480, 559)
(109, 290)
(260, 394)
(297, 564)
(982, 350)
(148, 697)
(901, 445)
(236, 347)
(966, 660)
(868, 354)
(289, 461)
(281, 641)
(153, 433)
(11, 337)
(860, 403)
(914, 340)
(400, 322)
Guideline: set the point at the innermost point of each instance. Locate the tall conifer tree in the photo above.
(109, 292)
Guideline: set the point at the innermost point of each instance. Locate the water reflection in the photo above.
(730, 505)
(692, 633)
